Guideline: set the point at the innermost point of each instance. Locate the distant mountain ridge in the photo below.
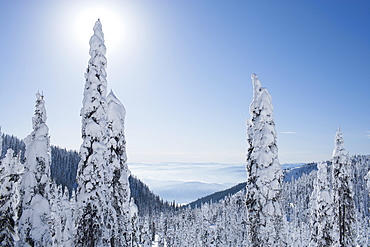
(217, 196)
(291, 165)
(188, 191)
(290, 172)
(295, 173)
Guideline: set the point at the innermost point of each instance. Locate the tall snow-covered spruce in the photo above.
(34, 221)
(343, 195)
(322, 210)
(10, 174)
(103, 197)
(119, 184)
(92, 182)
(264, 175)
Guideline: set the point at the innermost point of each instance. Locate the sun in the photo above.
(112, 24)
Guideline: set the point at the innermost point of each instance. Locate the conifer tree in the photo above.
(322, 210)
(92, 171)
(145, 232)
(367, 177)
(133, 227)
(1, 144)
(344, 208)
(10, 173)
(66, 220)
(55, 213)
(119, 183)
(264, 174)
(313, 205)
(204, 231)
(73, 211)
(34, 221)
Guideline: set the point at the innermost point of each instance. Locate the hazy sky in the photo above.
(182, 69)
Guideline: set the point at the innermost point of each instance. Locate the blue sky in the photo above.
(182, 69)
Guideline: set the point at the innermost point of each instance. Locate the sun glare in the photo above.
(112, 23)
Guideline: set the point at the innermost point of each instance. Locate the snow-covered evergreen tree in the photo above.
(322, 210)
(367, 177)
(55, 214)
(10, 173)
(314, 220)
(205, 230)
(344, 208)
(66, 220)
(1, 144)
(144, 236)
(119, 183)
(296, 199)
(73, 211)
(92, 173)
(361, 197)
(33, 223)
(264, 174)
(133, 227)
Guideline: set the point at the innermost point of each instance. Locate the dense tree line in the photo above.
(14, 143)
(147, 202)
(64, 167)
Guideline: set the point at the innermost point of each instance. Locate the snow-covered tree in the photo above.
(35, 186)
(361, 197)
(367, 177)
(144, 235)
(314, 224)
(10, 173)
(296, 199)
(322, 210)
(92, 173)
(344, 208)
(73, 211)
(133, 227)
(55, 214)
(66, 220)
(264, 174)
(119, 183)
(205, 230)
(1, 144)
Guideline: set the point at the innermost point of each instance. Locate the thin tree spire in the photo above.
(343, 195)
(264, 174)
(92, 170)
(34, 221)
